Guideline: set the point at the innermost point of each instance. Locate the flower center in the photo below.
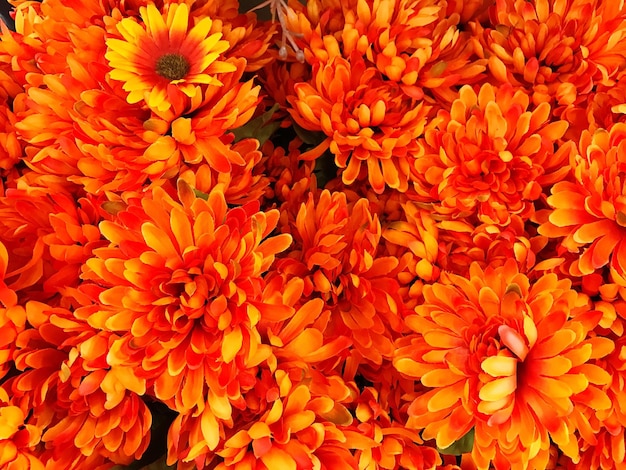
(172, 66)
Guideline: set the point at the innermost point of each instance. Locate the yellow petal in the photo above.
(278, 459)
(499, 366)
(231, 344)
(210, 428)
(498, 389)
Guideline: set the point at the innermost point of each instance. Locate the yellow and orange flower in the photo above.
(185, 294)
(588, 212)
(300, 429)
(557, 51)
(505, 357)
(398, 447)
(164, 59)
(335, 253)
(65, 382)
(490, 156)
(416, 44)
(18, 440)
(370, 123)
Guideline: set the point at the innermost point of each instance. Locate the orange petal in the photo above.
(277, 458)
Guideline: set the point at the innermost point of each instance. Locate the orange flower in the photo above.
(291, 178)
(204, 136)
(588, 212)
(335, 253)
(185, 294)
(48, 235)
(65, 382)
(301, 428)
(18, 440)
(418, 234)
(506, 357)
(241, 185)
(557, 51)
(369, 122)
(416, 44)
(398, 447)
(12, 317)
(465, 242)
(10, 147)
(490, 155)
(602, 440)
(163, 59)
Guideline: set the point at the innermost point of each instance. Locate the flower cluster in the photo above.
(371, 234)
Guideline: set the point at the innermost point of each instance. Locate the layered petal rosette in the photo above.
(588, 211)
(505, 358)
(370, 123)
(181, 284)
(490, 156)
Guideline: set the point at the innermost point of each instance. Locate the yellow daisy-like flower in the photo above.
(163, 60)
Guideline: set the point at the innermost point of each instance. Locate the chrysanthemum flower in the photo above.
(335, 252)
(181, 285)
(506, 357)
(201, 136)
(419, 234)
(18, 440)
(291, 178)
(10, 147)
(48, 236)
(588, 212)
(88, 415)
(302, 428)
(370, 124)
(602, 442)
(558, 51)
(415, 44)
(165, 58)
(12, 316)
(491, 156)
(398, 447)
(241, 185)
(463, 242)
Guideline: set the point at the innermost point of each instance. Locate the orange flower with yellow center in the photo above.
(505, 356)
(589, 211)
(164, 57)
(371, 124)
(490, 155)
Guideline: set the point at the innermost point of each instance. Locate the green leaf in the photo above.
(309, 137)
(259, 128)
(462, 446)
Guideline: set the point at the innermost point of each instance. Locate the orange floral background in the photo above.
(327, 235)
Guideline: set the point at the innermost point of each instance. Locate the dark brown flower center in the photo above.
(172, 66)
